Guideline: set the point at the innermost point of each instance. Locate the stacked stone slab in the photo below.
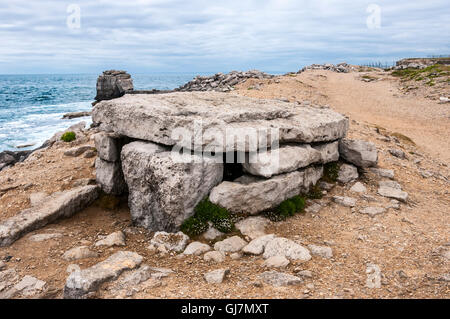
(286, 158)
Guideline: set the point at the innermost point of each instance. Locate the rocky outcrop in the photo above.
(339, 68)
(221, 119)
(56, 206)
(164, 191)
(113, 84)
(252, 195)
(222, 82)
(9, 158)
(360, 153)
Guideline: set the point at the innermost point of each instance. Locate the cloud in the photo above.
(205, 36)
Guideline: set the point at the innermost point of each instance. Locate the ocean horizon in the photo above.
(32, 105)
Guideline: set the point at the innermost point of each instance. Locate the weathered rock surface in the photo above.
(44, 237)
(212, 233)
(358, 152)
(114, 239)
(36, 198)
(279, 279)
(322, 251)
(110, 177)
(81, 283)
(345, 201)
(347, 173)
(388, 173)
(170, 241)
(215, 256)
(174, 118)
(253, 227)
(163, 190)
(372, 211)
(249, 194)
(196, 248)
(393, 190)
(286, 159)
(276, 262)
(73, 115)
(80, 252)
(29, 286)
(329, 152)
(77, 151)
(216, 276)
(358, 187)
(284, 247)
(113, 84)
(230, 245)
(256, 246)
(57, 206)
(107, 147)
(373, 276)
(339, 68)
(397, 153)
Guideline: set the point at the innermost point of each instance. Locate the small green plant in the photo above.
(206, 212)
(330, 172)
(287, 208)
(315, 192)
(68, 137)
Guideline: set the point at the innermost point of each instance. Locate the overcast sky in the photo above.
(145, 36)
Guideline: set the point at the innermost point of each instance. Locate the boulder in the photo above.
(388, 173)
(115, 239)
(285, 159)
(284, 247)
(82, 282)
(113, 84)
(252, 227)
(196, 248)
(347, 173)
(107, 147)
(230, 245)
(321, 251)
(110, 177)
(251, 195)
(164, 189)
(278, 279)
(222, 120)
(77, 151)
(358, 188)
(256, 246)
(345, 201)
(170, 241)
(276, 262)
(216, 256)
(80, 252)
(360, 153)
(57, 205)
(393, 190)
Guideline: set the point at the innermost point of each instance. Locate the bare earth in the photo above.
(406, 244)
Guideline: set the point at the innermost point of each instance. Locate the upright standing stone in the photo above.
(113, 84)
(163, 189)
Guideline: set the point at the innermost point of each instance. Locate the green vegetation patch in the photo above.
(206, 212)
(287, 208)
(428, 73)
(68, 137)
(330, 172)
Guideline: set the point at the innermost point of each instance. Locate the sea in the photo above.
(32, 106)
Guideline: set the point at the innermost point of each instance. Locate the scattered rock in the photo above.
(80, 252)
(74, 115)
(279, 279)
(287, 248)
(345, 201)
(373, 276)
(305, 274)
(44, 237)
(81, 283)
(339, 68)
(2, 265)
(114, 239)
(314, 208)
(256, 246)
(358, 188)
(372, 211)
(30, 286)
(322, 251)
(388, 173)
(232, 244)
(392, 191)
(196, 248)
(58, 205)
(215, 256)
(216, 276)
(212, 233)
(360, 153)
(236, 255)
(276, 262)
(347, 173)
(398, 153)
(77, 151)
(170, 241)
(252, 227)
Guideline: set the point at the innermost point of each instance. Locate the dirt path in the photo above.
(380, 102)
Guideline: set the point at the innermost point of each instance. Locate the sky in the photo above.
(156, 36)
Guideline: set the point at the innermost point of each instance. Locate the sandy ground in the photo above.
(403, 243)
